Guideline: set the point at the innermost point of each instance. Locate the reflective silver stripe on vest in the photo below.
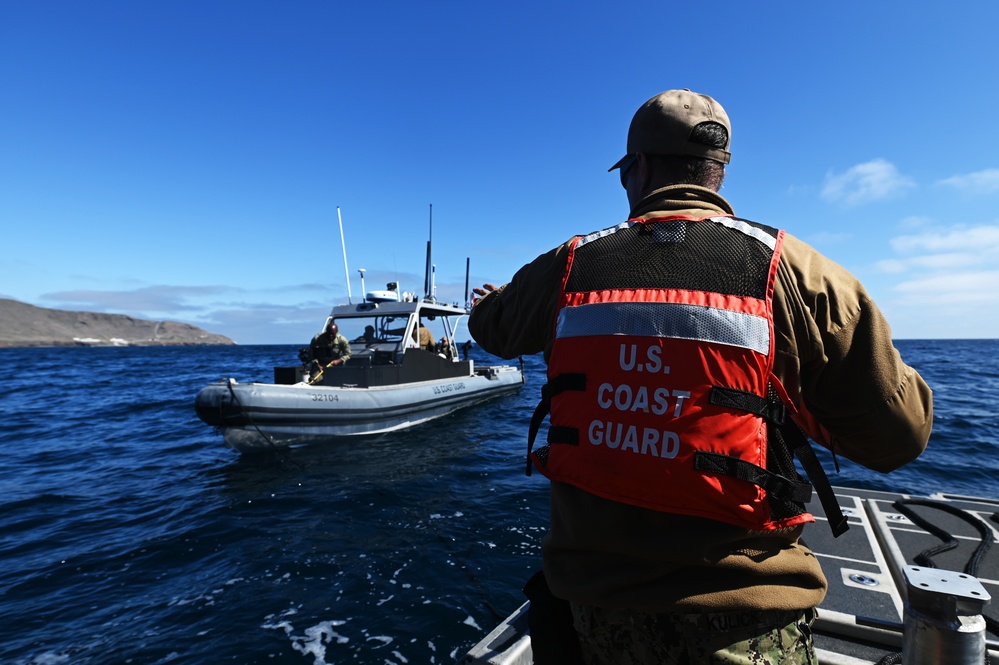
(659, 319)
(606, 232)
(748, 229)
(734, 224)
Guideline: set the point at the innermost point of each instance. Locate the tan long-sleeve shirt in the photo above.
(835, 356)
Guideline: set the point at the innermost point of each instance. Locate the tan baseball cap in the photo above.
(662, 126)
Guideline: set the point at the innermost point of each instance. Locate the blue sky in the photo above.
(185, 160)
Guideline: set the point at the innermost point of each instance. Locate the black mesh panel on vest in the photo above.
(675, 254)
(780, 460)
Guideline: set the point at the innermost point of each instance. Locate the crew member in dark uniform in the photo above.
(328, 349)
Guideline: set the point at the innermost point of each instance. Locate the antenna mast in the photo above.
(426, 274)
(468, 266)
(346, 272)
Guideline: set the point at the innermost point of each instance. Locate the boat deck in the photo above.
(862, 614)
(860, 620)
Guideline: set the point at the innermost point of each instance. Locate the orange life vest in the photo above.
(661, 384)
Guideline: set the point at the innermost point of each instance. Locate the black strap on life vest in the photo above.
(785, 489)
(777, 486)
(569, 435)
(797, 442)
(785, 433)
(773, 411)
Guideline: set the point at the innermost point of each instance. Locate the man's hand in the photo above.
(484, 289)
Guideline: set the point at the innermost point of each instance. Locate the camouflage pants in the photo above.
(627, 637)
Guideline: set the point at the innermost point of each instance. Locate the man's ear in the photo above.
(643, 171)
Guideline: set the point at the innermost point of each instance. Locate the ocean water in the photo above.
(130, 534)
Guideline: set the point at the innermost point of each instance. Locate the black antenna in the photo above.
(426, 274)
(468, 264)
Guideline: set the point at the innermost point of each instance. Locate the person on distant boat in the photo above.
(329, 348)
(466, 348)
(367, 338)
(424, 338)
(445, 349)
(685, 349)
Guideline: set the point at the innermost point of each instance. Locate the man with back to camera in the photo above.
(424, 338)
(672, 342)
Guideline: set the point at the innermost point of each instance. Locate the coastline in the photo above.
(24, 325)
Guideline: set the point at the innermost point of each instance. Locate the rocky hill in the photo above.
(22, 324)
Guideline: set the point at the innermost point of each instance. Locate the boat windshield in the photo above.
(373, 329)
(385, 331)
